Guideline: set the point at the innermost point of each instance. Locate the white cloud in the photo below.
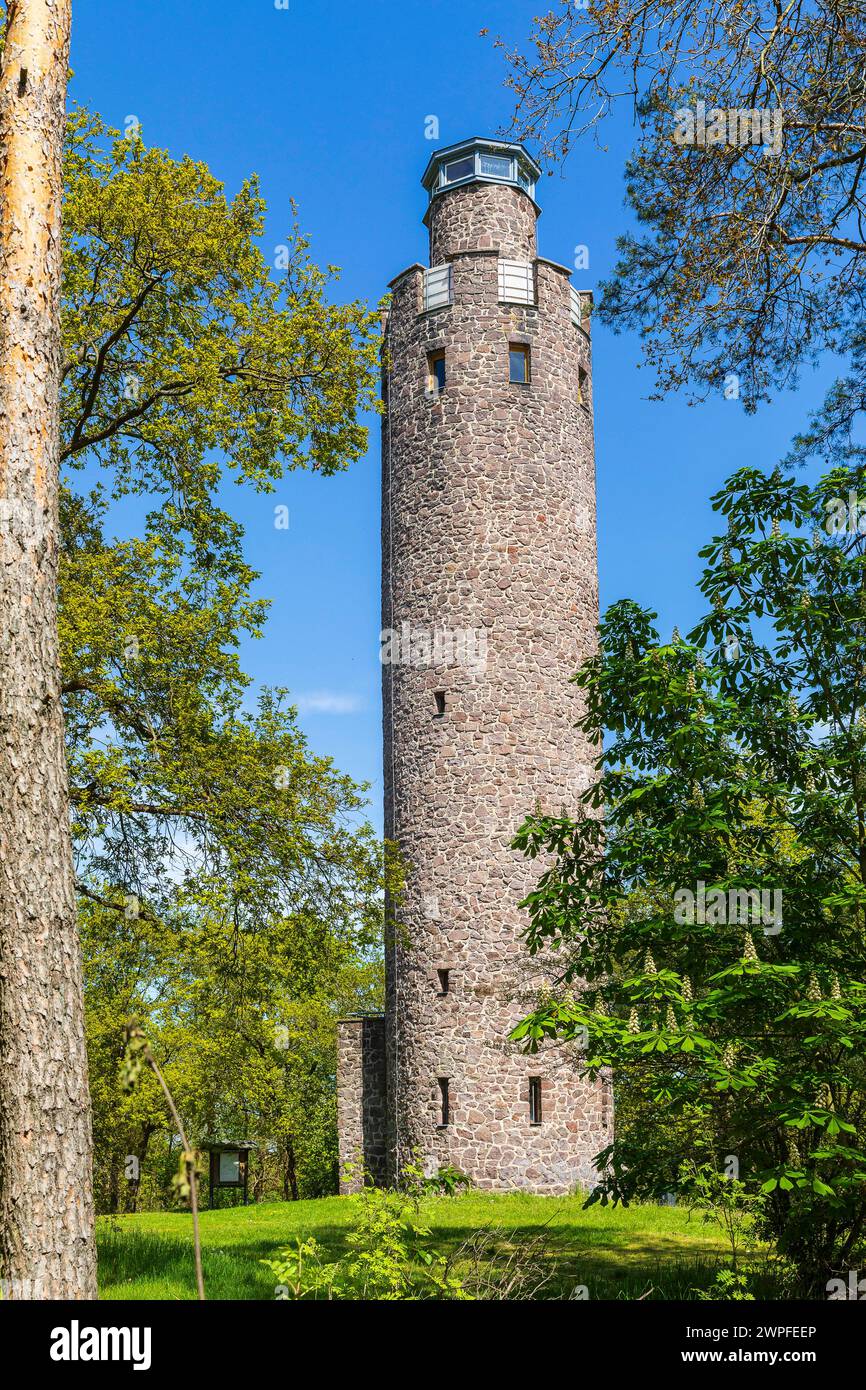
(327, 702)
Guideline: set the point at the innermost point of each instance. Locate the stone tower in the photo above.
(489, 604)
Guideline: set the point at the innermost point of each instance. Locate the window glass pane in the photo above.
(518, 358)
(497, 165)
(437, 372)
(230, 1167)
(460, 169)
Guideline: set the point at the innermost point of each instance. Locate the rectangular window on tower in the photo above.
(444, 1103)
(439, 697)
(459, 169)
(518, 364)
(583, 387)
(535, 1100)
(498, 166)
(436, 372)
(444, 981)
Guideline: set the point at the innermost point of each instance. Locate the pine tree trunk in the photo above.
(46, 1202)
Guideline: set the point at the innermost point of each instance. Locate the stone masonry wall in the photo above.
(488, 525)
(361, 1094)
(482, 217)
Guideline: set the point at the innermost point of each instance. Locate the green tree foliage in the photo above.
(389, 1255)
(734, 760)
(230, 891)
(245, 1030)
(744, 262)
(178, 339)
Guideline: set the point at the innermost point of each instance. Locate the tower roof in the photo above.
(479, 160)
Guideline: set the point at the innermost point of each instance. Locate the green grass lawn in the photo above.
(653, 1251)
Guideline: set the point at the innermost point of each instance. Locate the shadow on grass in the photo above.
(572, 1259)
(139, 1265)
(136, 1264)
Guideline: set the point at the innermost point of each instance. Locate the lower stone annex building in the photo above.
(489, 605)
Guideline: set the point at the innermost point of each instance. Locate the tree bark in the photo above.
(114, 1184)
(291, 1171)
(133, 1189)
(46, 1199)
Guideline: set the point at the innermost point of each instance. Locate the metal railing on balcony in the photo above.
(580, 307)
(517, 282)
(437, 287)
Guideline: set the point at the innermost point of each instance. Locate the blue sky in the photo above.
(327, 101)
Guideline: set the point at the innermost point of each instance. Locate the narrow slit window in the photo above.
(436, 372)
(444, 981)
(518, 364)
(535, 1100)
(583, 387)
(439, 697)
(444, 1102)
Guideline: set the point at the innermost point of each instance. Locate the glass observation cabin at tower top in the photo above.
(481, 161)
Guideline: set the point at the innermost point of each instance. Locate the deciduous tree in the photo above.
(735, 763)
(228, 885)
